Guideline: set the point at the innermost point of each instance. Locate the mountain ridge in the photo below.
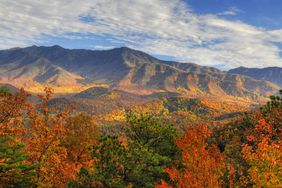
(124, 69)
(272, 74)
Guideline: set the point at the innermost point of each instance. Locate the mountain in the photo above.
(122, 69)
(38, 70)
(272, 74)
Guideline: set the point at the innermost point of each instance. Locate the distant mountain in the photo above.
(272, 74)
(122, 69)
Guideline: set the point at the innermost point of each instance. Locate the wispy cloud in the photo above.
(232, 11)
(162, 27)
(100, 47)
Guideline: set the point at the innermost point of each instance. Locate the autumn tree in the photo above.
(234, 141)
(46, 130)
(82, 134)
(15, 170)
(12, 109)
(39, 144)
(264, 156)
(203, 166)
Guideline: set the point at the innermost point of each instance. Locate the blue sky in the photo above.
(219, 33)
(261, 13)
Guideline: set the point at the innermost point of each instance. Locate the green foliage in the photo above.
(4, 91)
(275, 102)
(110, 170)
(109, 166)
(184, 104)
(144, 166)
(139, 162)
(152, 133)
(14, 170)
(151, 146)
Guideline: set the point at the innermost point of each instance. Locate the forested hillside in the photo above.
(42, 146)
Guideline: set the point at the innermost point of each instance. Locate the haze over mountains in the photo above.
(123, 69)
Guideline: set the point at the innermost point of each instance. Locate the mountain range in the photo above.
(124, 69)
(272, 74)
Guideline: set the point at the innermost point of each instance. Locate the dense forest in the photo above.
(43, 146)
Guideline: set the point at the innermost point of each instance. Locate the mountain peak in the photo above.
(125, 49)
(56, 46)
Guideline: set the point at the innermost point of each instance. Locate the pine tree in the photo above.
(15, 171)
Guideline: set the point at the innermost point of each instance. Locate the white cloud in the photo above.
(163, 27)
(100, 47)
(232, 11)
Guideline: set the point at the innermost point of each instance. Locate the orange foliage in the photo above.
(203, 167)
(163, 184)
(225, 106)
(54, 140)
(82, 135)
(12, 108)
(264, 155)
(45, 131)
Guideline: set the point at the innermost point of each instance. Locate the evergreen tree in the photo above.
(151, 147)
(4, 91)
(138, 162)
(14, 170)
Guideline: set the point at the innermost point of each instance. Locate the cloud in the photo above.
(160, 27)
(232, 11)
(100, 47)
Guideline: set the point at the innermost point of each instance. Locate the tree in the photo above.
(249, 145)
(151, 146)
(153, 133)
(264, 156)
(45, 131)
(203, 166)
(15, 170)
(275, 102)
(108, 169)
(12, 108)
(81, 135)
(50, 149)
(136, 162)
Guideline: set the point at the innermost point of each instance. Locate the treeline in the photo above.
(45, 147)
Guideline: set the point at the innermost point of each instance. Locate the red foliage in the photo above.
(264, 155)
(203, 166)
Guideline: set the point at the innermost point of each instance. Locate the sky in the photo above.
(219, 33)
